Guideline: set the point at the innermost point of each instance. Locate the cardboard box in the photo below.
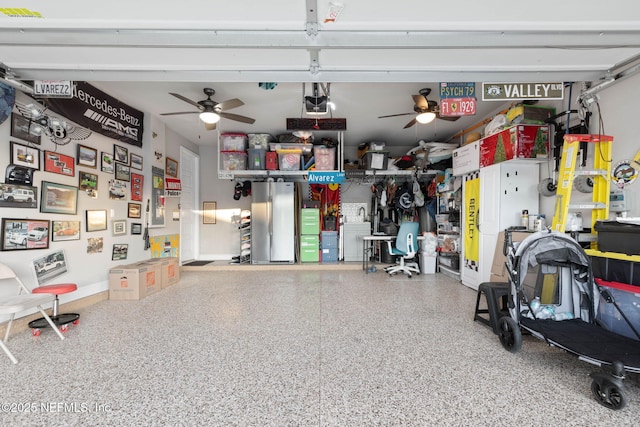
(498, 268)
(516, 142)
(169, 270)
(134, 281)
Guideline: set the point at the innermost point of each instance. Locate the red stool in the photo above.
(61, 320)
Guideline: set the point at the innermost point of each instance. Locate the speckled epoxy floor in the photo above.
(296, 348)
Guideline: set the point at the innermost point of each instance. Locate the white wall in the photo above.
(90, 271)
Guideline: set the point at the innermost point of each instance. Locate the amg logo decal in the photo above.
(111, 124)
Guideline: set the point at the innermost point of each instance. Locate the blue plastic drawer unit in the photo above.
(329, 242)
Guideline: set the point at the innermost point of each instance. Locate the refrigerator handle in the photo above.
(269, 208)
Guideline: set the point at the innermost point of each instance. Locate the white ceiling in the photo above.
(376, 54)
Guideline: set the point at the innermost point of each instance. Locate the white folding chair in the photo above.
(22, 301)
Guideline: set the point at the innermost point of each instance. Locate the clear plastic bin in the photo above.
(256, 159)
(289, 160)
(325, 157)
(233, 141)
(260, 140)
(234, 160)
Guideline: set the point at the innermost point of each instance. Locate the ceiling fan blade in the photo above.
(210, 126)
(237, 117)
(411, 123)
(187, 100)
(181, 112)
(230, 103)
(395, 115)
(420, 101)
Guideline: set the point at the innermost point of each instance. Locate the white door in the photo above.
(189, 203)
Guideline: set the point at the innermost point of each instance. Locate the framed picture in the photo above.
(88, 182)
(119, 227)
(136, 228)
(65, 230)
(208, 212)
(18, 175)
(123, 172)
(59, 163)
(58, 198)
(21, 234)
(87, 156)
(50, 266)
(171, 167)
(137, 184)
(95, 245)
(21, 128)
(136, 161)
(23, 155)
(119, 251)
(96, 220)
(134, 210)
(18, 196)
(106, 162)
(120, 154)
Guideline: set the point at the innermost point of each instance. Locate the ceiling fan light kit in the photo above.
(426, 117)
(209, 117)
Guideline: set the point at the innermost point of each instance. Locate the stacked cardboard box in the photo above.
(134, 281)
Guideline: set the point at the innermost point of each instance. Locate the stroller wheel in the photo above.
(608, 394)
(509, 334)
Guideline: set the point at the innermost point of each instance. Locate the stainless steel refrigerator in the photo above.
(272, 222)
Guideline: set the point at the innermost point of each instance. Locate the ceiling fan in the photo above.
(211, 111)
(426, 111)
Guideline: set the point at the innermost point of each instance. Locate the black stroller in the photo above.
(553, 296)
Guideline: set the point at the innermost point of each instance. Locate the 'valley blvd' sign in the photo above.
(512, 91)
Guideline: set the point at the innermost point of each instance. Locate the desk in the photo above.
(367, 246)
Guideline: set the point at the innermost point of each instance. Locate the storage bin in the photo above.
(376, 160)
(325, 157)
(260, 140)
(233, 141)
(256, 159)
(303, 148)
(289, 160)
(615, 236)
(234, 160)
(271, 158)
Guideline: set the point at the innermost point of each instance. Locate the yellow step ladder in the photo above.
(600, 176)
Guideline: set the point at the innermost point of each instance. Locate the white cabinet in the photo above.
(493, 199)
(352, 235)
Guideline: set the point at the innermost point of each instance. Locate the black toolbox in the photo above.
(614, 236)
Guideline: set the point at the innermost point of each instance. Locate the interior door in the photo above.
(189, 224)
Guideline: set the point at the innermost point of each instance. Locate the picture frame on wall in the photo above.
(58, 198)
(106, 162)
(120, 154)
(123, 172)
(136, 228)
(65, 230)
(119, 227)
(59, 163)
(21, 129)
(24, 234)
(87, 156)
(18, 196)
(208, 212)
(134, 210)
(171, 167)
(137, 186)
(25, 156)
(136, 161)
(96, 220)
(88, 182)
(119, 251)
(50, 266)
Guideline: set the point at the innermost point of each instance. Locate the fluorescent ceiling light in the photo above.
(209, 117)
(425, 118)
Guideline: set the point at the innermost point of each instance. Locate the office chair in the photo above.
(405, 248)
(18, 302)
